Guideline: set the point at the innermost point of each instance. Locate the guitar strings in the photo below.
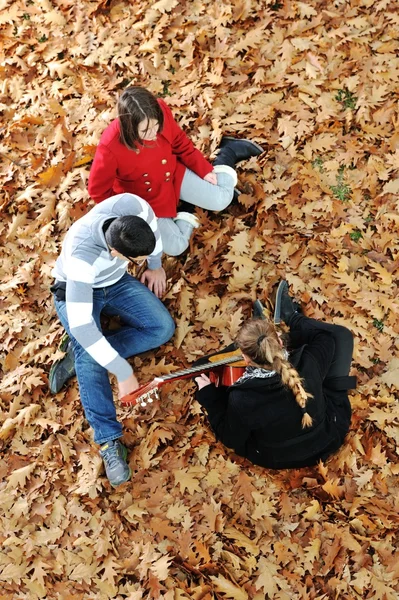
(209, 365)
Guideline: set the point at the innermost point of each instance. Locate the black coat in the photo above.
(261, 420)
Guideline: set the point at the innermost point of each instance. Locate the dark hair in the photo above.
(131, 236)
(258, 339)
(135, 105)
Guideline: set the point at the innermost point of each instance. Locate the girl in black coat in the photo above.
(288, 410)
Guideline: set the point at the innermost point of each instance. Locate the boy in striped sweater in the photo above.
(90, 280)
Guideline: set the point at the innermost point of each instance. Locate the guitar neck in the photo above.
(145, 391)
(186, 373)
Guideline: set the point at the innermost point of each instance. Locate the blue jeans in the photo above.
(176, 234)
(146, 325)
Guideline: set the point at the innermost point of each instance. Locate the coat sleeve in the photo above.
(183, 147)
(225, 420)
(102, 174)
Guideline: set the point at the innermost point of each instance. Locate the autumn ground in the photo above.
(317, 84)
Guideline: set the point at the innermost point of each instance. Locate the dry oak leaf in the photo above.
(187, 480)
(19, 477)
(229, 589)
(242, 540)
(182, 329)
(52, 177)
(391, 376)
(268, 577)
(160, 567)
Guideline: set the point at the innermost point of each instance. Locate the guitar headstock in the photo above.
(144, 395)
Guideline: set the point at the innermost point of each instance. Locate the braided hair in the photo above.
(258, 339)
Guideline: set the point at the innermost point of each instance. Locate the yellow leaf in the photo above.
(83, 572)
(229, 589)
(19, 477)
(235, 322)
(182, 329)
(164, 5)
(160, 567)
(187, 480)
(242, 540)
(333, 489)
(51, 177)
(391, 375)
(392, 187)
(13, 572)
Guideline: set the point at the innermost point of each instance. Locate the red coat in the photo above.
(154, 173)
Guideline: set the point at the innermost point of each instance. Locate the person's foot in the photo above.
(63, 345)
(114, 457)
(62, 370)
(285, 307)
(258, 310)
(243, 149)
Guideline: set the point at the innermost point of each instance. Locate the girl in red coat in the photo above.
(145, 152)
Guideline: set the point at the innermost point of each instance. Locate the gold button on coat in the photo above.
(149, 190)
(145, 174)
(164, 161)
(147, 182)
(167, 174)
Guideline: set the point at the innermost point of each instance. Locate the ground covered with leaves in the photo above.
(317, 84)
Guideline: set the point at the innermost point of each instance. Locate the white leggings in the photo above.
(176, 234)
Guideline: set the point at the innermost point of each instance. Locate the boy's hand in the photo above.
(128, 386)
(202, 381)
(155, 280)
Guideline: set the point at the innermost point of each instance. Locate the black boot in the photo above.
(285, 307)
(233, 150)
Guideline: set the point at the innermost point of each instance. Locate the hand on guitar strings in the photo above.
(128, 386)
(202, 381)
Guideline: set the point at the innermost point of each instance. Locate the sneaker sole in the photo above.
(277, 304)
(258, 310)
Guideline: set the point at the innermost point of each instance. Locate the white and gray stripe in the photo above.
(85, 263)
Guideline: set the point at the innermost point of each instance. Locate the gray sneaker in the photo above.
(114, 457)
(62, 370)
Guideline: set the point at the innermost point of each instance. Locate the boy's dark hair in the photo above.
(131, 236)
(135, 105)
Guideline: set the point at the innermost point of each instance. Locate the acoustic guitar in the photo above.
(225, 369)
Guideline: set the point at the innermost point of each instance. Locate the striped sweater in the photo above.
(86, 263)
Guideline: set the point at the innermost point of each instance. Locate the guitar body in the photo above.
(224, 369)
(226, 375)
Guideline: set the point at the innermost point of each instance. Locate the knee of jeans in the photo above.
(222, 200)
(166, 330)
(175, 246)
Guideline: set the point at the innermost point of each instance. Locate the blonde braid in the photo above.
(258, 339)
(290, 378)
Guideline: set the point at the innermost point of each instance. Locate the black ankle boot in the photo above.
(226, 156)
(285, 307)
(237, 150)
